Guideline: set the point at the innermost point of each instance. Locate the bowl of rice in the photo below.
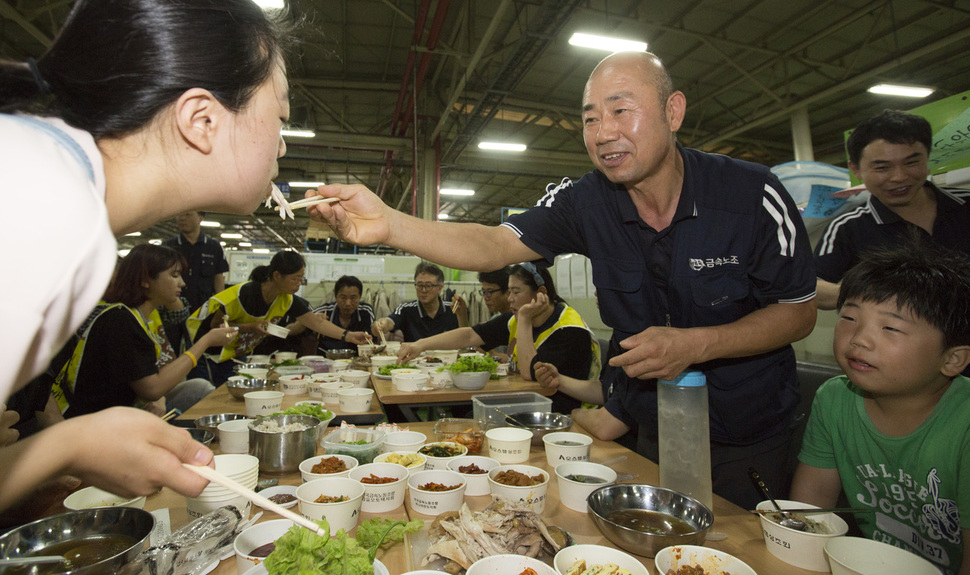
(281, 442)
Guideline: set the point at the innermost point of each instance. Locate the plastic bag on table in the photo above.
(193, 548)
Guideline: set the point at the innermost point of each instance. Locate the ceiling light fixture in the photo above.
(124, 252)
(899, 90)
(443, 216)
(456, 192)
(229, 236)
(134, 234)
(606, 43)
(245, 245)
(294, 133)
(307, 184)
(210, 224)
(155, 242)
(260, 251)
(501, 146)
(271, 4)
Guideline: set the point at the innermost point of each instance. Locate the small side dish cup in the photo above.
(419, 462)
(281, 356)
(259, 403)
(861, 556)
(438, 462)
(435, 502)
(801, 548)
(509, 565)
(710, 560)
(403, 441)
(573, 492)
(381, 497)
(307, 464)
(357, 377)
(255, 537)
(532, 495)
(278, 331)
(411, 380)
(234, 436)
(509, 444)
(329, 391)
(355, 399)
(597, 555)
(560, 449)
(294, 384)
(475, 483)
(340, 515)
(91, 497)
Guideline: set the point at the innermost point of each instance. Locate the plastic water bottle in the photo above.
(684, 435)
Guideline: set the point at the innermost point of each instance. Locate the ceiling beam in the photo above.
(8, 11)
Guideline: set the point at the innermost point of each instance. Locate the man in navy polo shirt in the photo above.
(206, 274)
(698, 260)
(890, 154)
(426, 316)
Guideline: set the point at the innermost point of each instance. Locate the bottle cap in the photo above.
(688, 379)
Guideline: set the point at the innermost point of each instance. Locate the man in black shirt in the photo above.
(428, 315)
(206, 272)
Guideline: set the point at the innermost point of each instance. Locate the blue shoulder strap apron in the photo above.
(59, 136)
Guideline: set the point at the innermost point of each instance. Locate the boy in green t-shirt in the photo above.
(894, 431)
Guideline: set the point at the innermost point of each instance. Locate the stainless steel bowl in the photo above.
(76, 526)
(540, 423)
(203, 436)
(260, 365)
(240, 387)
(627, 496)
(340, 354)
(211, 422)
(283, 452)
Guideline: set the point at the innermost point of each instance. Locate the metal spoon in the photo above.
(511, 418)
(786, 519)
(36, 560)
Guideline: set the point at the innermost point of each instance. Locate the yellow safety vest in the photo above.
(64, 384)
(228, 300)
(568, 318)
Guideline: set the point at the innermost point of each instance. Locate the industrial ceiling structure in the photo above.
(400, 92)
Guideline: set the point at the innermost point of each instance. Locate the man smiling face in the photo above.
(894, 173)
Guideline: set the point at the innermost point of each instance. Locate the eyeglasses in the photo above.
(423, 287)
(489, 292)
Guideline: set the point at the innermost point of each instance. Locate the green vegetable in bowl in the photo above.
(287, 363)
(386, 369)
(473, 363)
(311, 409)
(300, 550)
(358, 442)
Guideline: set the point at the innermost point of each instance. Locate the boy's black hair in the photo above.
(348, 281)
(894, 126)
(498, 277)
(930, 281)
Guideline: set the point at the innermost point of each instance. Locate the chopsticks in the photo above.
(216, 477)
(173, 413)
(307, 202)
(380, 332)
(37, 560)
(813, 511)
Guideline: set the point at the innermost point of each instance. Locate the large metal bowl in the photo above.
(211, 422)
(77, 526)
(238, 388)
(539, 423)
(607, 500)
(203, 436)
(283, 452)
(340, 353)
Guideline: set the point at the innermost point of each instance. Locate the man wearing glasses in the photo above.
(428, 315)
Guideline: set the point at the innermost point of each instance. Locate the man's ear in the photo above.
(676, 109)
(957, 358)
(855, 170)
(198, 114)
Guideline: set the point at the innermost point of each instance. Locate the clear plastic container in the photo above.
(485, 407)
(342, 442)
(468, 432)
(684, 436)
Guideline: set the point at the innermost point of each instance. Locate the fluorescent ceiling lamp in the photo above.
(210, 224)
(443, 216)
(228, 236)
(123, 253)
(270, 4)
(245, 245)
(260, 251)
(606, 43)
(307, 184)
(134, 234)
(501, 147)
(898, 90)
(456, 192)
(297, 133)
(223, 244)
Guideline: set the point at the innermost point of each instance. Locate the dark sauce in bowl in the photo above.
(579, 478)
(263, 550)
(652, 522)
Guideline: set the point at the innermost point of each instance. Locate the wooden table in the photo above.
(406, 402)
(219, 401)
(742, 529)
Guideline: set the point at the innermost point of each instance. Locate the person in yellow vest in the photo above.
(115, 361)
(540, 328)
(250, 306)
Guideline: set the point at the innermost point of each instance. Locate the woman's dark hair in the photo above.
(348, 281)
(928, 280)
(286, 262)
(527, 272)
(144, 262)
(117, 63)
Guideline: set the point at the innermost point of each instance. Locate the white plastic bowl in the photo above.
(476, 483)
(355, 399)
(711, 560)
(357, 377)
(556, 453)
(403, 441)
(281, 356)
(91, 497)
(381, 497)
(307, 464)
(280, 332)
(508, 565)
(412, 469)
(573, 494)
(329, 391)
(254, 537)
(341, 515)
(260, 403)
(532, 495)
(442, 462)
(294, 384)
(435, 502)
(798, 548)
(509, 444)
(860, 556)
(470, 380)
(597, 555)
(410, 381)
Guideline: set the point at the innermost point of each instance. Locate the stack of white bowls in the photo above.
(244, 469)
